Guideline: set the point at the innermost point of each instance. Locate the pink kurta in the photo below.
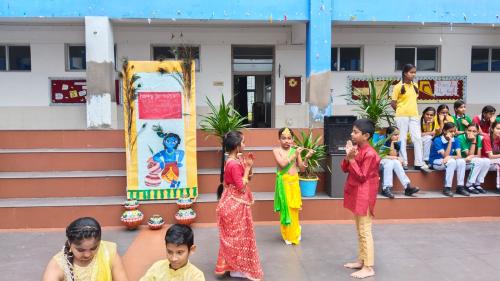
(238, 249)
(361, 187)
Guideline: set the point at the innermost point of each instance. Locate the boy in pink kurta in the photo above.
(360, 192)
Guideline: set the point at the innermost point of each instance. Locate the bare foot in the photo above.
(365, 272)
(354, 265)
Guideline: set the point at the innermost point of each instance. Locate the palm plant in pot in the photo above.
(220, 120)
(309, 178)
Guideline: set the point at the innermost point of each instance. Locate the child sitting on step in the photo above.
(392, 163)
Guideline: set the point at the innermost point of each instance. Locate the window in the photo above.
(175, 53)
(253, 59)
(15, 58)
(76, 57)
(346, 59)
(485, 59)
(424, 58)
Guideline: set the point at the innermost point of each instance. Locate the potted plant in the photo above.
(308, 179)
(220, 120)
(374, 105)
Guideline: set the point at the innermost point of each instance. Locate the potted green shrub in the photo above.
(308, 179)
(220, 120)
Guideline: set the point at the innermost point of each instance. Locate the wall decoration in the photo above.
(70, 90)
(432, 89)
(293, 87)
(160, 129)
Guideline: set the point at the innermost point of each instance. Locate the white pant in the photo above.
(478, 167)
(427, 141)
(495, 166)
(451, 166)
(388, 167)
(413, 125)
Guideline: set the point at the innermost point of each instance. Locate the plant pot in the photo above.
(308, 187)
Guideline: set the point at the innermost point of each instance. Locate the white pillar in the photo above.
(101, 99)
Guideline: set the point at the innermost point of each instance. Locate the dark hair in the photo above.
(171, 135)
(180, 234)
(406, 68)
(366, 126)
(441, 107)
(78, 230)
(492, 137)
(281, 132)
(230, 142)
(391, 130)
(430, 108)
(458, 104)
(488, 109)
(447, 126)
(472, 124)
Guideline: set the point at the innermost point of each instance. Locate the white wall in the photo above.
(378, 45)
(25, 99)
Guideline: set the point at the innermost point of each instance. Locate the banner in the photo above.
(161, 135)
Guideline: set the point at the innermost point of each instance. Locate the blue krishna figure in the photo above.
(170, 158)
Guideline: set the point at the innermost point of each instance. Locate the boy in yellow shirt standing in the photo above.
(404, 101)
(179, 242)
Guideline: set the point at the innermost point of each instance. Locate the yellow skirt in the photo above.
(292, 232)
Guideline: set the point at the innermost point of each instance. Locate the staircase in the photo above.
(48, 178)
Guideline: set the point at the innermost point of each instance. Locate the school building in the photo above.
(282, 63)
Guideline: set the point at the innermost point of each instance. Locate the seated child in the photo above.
(85, 256)
(471, 144)
(485, 119)
(445, 155)
(462, 120)
(491, 150)
(179, 242)
(443, 116)
(392, 163)
(427, 129)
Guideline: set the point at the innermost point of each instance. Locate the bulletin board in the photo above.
(431, 89)
(68, 91)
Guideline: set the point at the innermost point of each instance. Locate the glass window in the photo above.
(19, 58)
(404, 56)
(495, 59)
(76, 58)
(173, 53)
(253, 59)
(3, 58)
(479, 59)
(427, 59)
(350, 59)
(334, 66)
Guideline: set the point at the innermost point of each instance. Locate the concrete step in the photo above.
(58, 212)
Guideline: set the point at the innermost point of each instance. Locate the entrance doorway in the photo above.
(253, 89)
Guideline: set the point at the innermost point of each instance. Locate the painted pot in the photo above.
(308, 187)
(131, 204)
(185, 216)
(155, 222)
(132, 218)
(184, 202)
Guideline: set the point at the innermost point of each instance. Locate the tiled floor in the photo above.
(447, 250)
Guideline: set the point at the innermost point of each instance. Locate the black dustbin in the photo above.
(337, 130)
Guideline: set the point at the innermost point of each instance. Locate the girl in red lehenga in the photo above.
(238, 251)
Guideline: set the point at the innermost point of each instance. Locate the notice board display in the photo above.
(293, 89)
(69, 91)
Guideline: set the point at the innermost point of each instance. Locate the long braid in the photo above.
(78, 230)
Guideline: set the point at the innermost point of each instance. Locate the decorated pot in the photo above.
(185, 216)
(152, 180)
(155, 222)
(184, 202)
(153, 167)
(131, 204)
(132, 218)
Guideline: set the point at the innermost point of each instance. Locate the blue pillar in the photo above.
(318, 58)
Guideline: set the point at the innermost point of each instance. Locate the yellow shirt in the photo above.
(99, 268)
(161, 271)
(407, 102)
(437, 128)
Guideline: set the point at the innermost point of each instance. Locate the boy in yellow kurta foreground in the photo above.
(287, 197)
(179, 242)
